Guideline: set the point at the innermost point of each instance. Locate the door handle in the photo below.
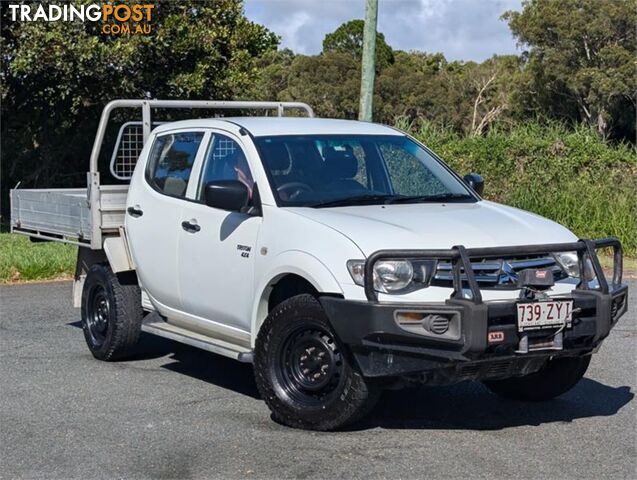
(135, 211)
(190, 227)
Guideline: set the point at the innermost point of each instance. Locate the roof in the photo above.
(270, 126)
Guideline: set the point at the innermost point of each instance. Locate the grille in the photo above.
(502, 273)
(499, 368)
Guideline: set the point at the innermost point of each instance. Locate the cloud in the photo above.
(461, 29)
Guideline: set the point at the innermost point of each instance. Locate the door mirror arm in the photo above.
(254, 204)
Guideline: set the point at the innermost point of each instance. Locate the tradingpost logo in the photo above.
(116, 18)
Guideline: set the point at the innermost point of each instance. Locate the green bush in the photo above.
(568, 175)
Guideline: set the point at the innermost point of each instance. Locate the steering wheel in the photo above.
(293, 189)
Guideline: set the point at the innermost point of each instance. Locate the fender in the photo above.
(295, 262)
(117, 252)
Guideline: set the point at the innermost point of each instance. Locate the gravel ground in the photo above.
(176, 412)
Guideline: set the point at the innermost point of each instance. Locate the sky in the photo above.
(460, 29)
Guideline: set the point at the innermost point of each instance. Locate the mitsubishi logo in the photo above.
(507, 274)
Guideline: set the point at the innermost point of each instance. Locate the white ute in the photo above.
(338, 257)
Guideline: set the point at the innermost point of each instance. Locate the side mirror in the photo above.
(230, 195)
(475, 181)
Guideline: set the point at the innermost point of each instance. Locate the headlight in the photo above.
(392, 276)
(570, 264)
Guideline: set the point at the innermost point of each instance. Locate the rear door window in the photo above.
(171, 161)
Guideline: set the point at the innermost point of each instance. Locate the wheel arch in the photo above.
(115, 253)
(300, 273)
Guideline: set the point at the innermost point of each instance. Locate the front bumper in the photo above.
(483, 341)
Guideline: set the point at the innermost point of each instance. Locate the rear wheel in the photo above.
(111, 314)
(302, 372)
(557, 377)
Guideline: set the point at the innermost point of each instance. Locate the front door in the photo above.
(154, 209)
(217, 248)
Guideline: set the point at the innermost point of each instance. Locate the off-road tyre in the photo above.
(555, 378)
(340, 394)
(111, 314)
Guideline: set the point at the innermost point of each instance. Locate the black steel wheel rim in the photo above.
(310, 366)
(98, 315)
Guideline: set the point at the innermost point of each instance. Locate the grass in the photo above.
(22, 260)
(630, 265)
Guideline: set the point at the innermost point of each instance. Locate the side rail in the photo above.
(460, 258)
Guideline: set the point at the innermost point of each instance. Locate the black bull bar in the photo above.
(460, 258)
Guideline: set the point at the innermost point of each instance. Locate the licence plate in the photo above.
(536, 315)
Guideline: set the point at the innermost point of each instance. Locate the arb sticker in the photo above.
(496, 336)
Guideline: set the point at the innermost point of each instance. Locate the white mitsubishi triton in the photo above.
(340, 258)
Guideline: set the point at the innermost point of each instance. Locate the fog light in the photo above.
(436, 324)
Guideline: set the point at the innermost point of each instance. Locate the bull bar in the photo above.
(382, 347)
(460, 258)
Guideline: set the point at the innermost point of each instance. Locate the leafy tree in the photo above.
(56, 77)
(348, 38)
(330, 83)
(490, 87)
(467, 97)
(411, 87)
(580, 60)
(274, 70)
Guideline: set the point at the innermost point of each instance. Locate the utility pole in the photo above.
(368, 67)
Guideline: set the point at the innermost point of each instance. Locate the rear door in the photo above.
(154, 210)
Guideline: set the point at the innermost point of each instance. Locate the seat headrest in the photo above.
(341, 163)
(276, 155)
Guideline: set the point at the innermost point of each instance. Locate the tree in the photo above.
(411, 87)
(273, 72)
(465, 96)
(348, 38)
(329, 83)
(56, 77)
(490, 86)
(580, 60)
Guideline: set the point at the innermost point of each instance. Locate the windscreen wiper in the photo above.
(431, 198)
(356, 200)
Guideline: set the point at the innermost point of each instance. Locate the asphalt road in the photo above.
(176, 412)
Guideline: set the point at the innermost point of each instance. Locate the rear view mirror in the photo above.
(475, 181)
(230, 195)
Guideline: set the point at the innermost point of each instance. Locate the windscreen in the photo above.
(332, 170)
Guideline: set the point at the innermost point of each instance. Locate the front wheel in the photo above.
(303, 373)
(111, 314)
(555, 378)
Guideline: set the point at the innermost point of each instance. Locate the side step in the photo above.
(155, 324)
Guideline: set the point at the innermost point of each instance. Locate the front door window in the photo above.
(225, 160)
